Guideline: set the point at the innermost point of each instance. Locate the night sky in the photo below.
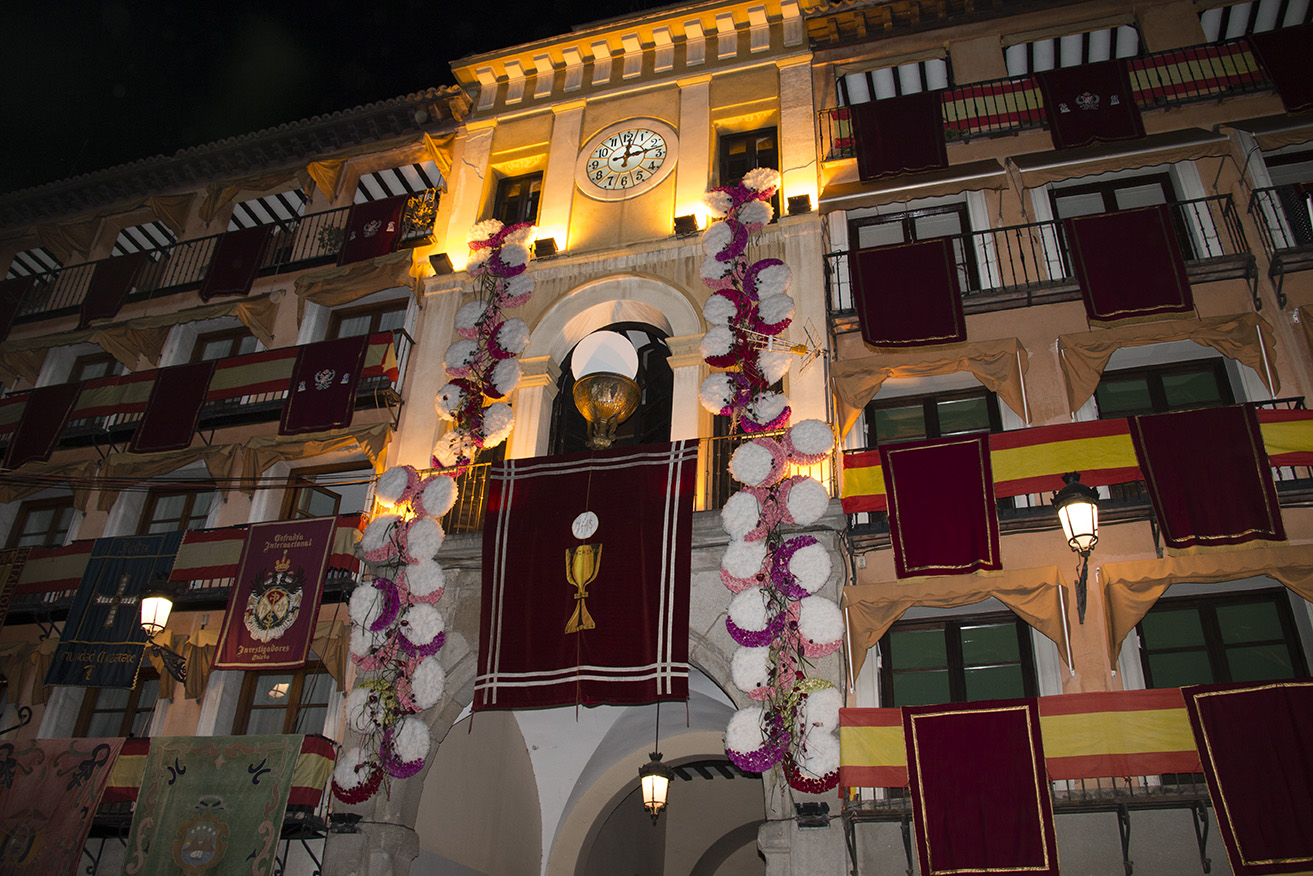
(89, 85)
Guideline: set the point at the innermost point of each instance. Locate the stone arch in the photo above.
(617, 298)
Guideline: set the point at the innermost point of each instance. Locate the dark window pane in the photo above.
(1119, 396)
(996, 643)
(1259, 662)
(104, 724)
(1180, 669)
(1172, 628)
(994, 683)
(963, 415)
(265, 721)
(1191, 389)
(310, 720)
(1249, 622)
(921, 688)
(899, 424)
(113, 698)
(915, 649)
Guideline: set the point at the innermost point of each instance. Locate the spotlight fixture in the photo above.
(544, 247)
(799, 204)
(441, 263)
(685, 225)
(812, 814)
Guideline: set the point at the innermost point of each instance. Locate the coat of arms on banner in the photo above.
(201, 840)
(275, 600)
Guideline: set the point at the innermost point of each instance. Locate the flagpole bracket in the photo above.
(24, 718)
(174, 663)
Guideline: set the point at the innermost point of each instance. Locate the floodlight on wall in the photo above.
(156, 605)
(544, 247)
(800, 204)
(1078, 511)
(811, 814)
(654, 777)
(441, 263)
(685, 225)
(604, 365)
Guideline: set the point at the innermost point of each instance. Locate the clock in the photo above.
(627, 159)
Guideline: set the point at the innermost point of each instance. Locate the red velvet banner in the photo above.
(980, 795)
(586, 565)
(50, 797)
(174, 408)
(372, 229)
(1129, 264)
(942, 516)
(1253, 741)
(1284, 54)
(44, 417)
(1208, 476)
(111, 281)
(235, 262)
(908, 294)
(275, 600)
(1090, 103)
(899, 135)
(12, 293)
(323, 391)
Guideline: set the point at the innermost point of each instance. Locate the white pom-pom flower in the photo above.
(428, 683)
(718, 202)
(420, 624)
(505, 377)
(740, 515)
(394, 484)
(484, 230)
(425, 578)
(411, 740)
(822, 709)
(719, 310)
(514, 254)
(743, 559)
(774, 364)
(498, 420)
(759, 179)
(377, 542)
(365, 604)
(810, 566)
(478, 259)
(460, 355)
(750, 668)
(468, 316)
(716, 392)
(744, 731)
(809, 441)
(775, 309)
(718, 341)
(716, 238)
(424, 538)
(757, 463)
(773, 280)
(523, 234)
(363, 710)
(363, 642)
(766, 406)
(756, 213)
(807, 501)
(822, 755)
(820, 620)
(452, 447)
(449, 399)
(438, 495)
(513, 336)
(749, 610)
(353, 769)
(713, 270)
(518, 289)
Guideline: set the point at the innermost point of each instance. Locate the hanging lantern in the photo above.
(655, 777)
(1078, 511)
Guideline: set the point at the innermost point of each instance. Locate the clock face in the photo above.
(627, 159)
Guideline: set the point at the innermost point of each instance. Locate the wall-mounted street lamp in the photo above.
(1078, 510)
(156, 605)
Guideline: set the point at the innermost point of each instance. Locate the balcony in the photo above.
(307, 242)
(1286, 228)
(1003, 107)
(1021, 265)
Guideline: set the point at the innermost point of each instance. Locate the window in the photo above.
(1231, 22)
(1112, 195)
(1217, 639)
(884, 82)
(932, 416)
(928, 223)
(1292, 177)
(650, 423)
(113, 711)
(353, 322)
(981, 657)
(43, 523)
(94, 365)
(517, 198)
(177, 509)
(325, 491)
(1158, 389)
(1072, 49)
(222, 344)
(290, 701)
(740, 153)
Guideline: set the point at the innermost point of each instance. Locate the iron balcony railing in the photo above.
(1008, 106)
(1020, 265)
(295, 244)
(715, 485)
(1284, 217)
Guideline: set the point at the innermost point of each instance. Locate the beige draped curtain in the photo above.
(333, 287)
(1037, 596)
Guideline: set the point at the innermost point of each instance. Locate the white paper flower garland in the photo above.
(396, 632)
(482, 365)
(775, 616)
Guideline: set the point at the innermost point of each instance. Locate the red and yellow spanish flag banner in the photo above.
(1034, 460)
(1086, 735)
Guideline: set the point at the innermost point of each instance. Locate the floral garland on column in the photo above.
(775, 616)
(396, 628)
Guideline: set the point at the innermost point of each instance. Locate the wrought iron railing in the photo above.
(1015, 266)
(1284, 217)
(1008, 106)
(294, 245)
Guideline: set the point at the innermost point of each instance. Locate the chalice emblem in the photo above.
(581, 566)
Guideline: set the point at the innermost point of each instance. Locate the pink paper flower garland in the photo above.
(396, 632)
(483, 366)
(774, 616)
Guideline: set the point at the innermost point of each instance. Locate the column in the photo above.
(693, 173)
(533, 407)
(465, 190)
(685, 404)
(797, 131)
(558, 180)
